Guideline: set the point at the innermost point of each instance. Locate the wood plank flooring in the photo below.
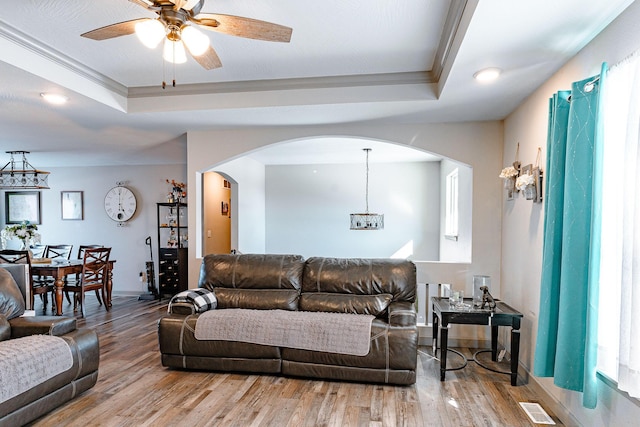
(133, 388)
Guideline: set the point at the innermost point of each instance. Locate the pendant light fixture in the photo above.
(366, 220)
(26, 178)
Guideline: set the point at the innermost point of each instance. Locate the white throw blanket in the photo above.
(29, 361)
(318, 331)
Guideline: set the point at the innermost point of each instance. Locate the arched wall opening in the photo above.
(295, 196)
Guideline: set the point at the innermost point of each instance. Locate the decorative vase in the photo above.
(509, 184)
(530, 192)
(25, 247)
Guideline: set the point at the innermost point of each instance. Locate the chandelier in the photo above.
(366, 220)
(24, 178)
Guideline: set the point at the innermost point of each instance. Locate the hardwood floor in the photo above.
(133, 388)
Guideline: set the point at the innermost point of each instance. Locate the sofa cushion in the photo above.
(375, 305)
(361, 276)
(258, 299)
(251, 271)
(11, 299)
(199, 299)
(29, 361)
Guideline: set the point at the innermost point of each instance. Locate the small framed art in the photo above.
(72, 205)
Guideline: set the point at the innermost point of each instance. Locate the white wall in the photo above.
(523, 220)
(308, 209)
(128, 242)
(478, 144)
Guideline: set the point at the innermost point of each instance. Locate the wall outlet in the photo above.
(501, 355)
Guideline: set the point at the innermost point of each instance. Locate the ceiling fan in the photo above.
(177, 24)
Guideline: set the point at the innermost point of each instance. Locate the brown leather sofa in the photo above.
(385, 288)
(60, 388)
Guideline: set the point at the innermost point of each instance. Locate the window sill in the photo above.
(614, 385)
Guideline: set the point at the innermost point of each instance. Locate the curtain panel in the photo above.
(566, 345)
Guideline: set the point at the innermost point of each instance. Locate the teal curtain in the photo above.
(567, 325)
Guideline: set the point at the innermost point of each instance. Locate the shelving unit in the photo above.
(172, 248)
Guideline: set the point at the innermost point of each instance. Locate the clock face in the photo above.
(120, 204)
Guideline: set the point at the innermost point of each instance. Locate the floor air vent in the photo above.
(536, 413)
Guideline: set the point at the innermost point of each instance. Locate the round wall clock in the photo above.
(120, 203)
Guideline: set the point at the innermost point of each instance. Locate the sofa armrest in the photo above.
(5, 328)
(47, 325)
(181, 308)
(402, 313)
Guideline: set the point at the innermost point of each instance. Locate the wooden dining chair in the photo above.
(58, 251)
(95, 273)
(38, 251)
(82, 248)
(11, 256)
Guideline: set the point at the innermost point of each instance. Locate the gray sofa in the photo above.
(62, 360)
(384, 288)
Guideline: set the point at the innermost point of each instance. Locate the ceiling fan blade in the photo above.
(186, 4)
(177, 4)
(141, 3)
(244, 27)
(209, 60)
(114, 30)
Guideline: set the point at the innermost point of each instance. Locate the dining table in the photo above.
(60, 269)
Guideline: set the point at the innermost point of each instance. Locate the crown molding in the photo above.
(308, 83)
(33, 46)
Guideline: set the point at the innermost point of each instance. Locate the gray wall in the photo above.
(308, 207)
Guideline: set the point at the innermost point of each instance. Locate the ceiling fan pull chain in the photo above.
(174, 64)
(164, 77)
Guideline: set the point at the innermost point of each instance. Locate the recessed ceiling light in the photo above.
(487, 75)
(54, 98)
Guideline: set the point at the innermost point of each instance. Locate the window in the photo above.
(619, 301)
(451, 206)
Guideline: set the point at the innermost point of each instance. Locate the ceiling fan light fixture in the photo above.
(195, 40)
(174, 52)
(150, 32)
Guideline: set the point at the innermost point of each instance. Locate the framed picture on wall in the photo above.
(72, 205)
(22, 206)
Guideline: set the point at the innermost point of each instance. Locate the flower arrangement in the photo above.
(25, 231)
(524, 181)
(178, 191)
(509, 172)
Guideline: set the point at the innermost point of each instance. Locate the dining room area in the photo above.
(57, 257)
(59, 277)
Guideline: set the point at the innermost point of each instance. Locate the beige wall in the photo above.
(216, 227)
(523, 221)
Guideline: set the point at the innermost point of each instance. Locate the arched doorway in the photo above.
(297, 196)
(217, 213)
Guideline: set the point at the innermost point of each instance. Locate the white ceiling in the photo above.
(348, 61)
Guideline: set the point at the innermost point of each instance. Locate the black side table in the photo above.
(503, 315)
